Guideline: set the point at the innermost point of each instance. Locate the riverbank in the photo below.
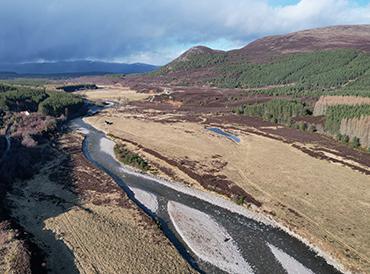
(85, 223)
(192, 235)
(281, 185)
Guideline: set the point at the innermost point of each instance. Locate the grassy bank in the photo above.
(130, 158)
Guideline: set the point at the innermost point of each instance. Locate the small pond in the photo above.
(225, 134)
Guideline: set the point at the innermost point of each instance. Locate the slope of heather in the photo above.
(320, 58)
(328, 38)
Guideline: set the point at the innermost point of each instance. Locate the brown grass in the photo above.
(324, 202)
(86, 223)
(14, 256)
(114, 92)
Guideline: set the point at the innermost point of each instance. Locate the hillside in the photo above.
(323, 58)
(328, 38)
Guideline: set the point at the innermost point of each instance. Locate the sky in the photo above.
(155, 31)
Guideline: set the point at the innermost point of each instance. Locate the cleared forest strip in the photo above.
(359, 127)
(325, 102)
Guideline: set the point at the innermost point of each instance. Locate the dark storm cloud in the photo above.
(150, 30)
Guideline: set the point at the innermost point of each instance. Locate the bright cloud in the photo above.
(154, 31)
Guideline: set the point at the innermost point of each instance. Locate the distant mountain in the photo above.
(6, 74)
(319, 58)
(76, 67)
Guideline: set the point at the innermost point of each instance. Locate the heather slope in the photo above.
(323, 58)
(328, 38)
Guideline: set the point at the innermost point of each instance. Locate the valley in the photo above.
(294, 186)
(254, 160)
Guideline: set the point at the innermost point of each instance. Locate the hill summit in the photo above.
(319, 58)
(328, 38)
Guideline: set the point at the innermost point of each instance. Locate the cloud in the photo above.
(153, 31)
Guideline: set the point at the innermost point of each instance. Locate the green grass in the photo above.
(130, 158)
(240, 200)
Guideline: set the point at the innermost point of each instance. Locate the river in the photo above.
(262, 247)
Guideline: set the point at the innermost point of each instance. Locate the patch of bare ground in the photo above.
(308, 182)
(85, 223)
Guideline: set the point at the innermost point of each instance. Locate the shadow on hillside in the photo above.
(36, 184)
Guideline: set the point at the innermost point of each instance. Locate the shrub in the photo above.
(240, 200)
(312, 128)
(130, 158)
(355, 142)
(302, 126)
(345, 139)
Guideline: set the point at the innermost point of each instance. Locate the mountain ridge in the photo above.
(76, 67)
(325, 57)
(325, 38)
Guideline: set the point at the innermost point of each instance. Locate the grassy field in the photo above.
(116, 92)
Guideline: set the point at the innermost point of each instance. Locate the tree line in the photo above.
(335, 115)
(283, 111)
(276, 111)
(77, 87)
(47, 103)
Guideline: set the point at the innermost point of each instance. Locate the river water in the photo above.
(266, 248)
